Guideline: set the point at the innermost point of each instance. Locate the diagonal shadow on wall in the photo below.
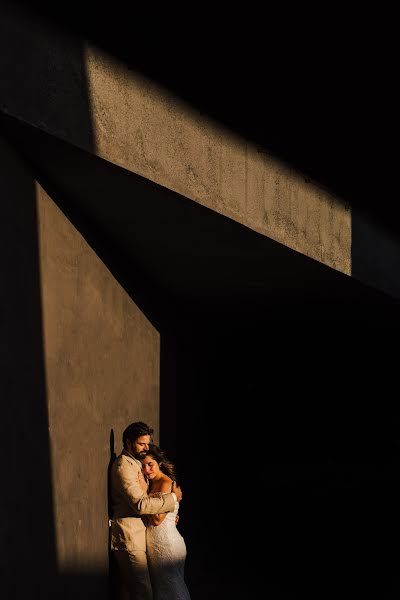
(27, 486)
(54, 84)
(267, 358)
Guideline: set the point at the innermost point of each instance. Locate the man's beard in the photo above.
(140, 455)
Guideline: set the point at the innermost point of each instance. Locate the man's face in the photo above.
(139, 447)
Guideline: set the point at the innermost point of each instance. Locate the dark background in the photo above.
(281, 414)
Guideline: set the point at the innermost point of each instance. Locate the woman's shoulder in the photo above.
(163, 486)
(166, 484)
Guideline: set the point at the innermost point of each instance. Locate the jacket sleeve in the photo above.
(142, 504)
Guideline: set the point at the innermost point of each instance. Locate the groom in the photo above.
(129, 503)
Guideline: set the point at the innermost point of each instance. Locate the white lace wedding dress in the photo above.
(166, 554)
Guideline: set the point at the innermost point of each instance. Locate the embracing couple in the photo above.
(148, 548)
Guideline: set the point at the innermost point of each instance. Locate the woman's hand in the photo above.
(142, 482)
(157, 519)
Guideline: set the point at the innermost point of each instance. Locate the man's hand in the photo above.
(177, 490)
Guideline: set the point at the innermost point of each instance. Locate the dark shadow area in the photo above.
(174, 256)
(113, 456)
(81, 586)
(277, 379)
(28, 554)
(313, 88)
(114, 588)
(44, 75)
(287, 439)
(375, 254)
(27, 505)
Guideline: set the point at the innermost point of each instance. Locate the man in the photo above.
(129, 503)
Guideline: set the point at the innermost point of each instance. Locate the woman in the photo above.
(166, 550)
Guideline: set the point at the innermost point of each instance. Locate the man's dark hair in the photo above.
(136, 430)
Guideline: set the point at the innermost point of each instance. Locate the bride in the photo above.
(166, 550)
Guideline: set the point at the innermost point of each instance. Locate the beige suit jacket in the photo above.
(129, 503)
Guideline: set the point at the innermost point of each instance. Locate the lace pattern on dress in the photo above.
(166, 554)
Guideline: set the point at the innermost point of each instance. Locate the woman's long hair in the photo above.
(166, 466)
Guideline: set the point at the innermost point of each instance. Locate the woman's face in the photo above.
(151, 467)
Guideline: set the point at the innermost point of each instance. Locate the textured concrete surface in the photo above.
(102, 372)
(79, 94)
(109, 109)
(77, 361)
(144, 128)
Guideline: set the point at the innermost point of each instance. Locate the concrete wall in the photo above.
(78, 360)
(85, 97)
(375, 254)
(102, 372)
(136, 124)
(143, 128)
